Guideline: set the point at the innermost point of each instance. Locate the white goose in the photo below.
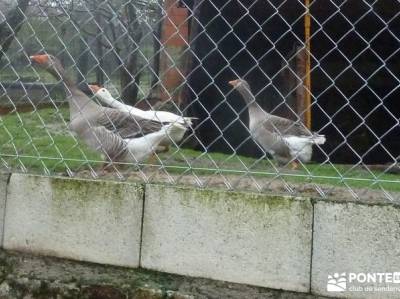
(163, 117)
(286, 140)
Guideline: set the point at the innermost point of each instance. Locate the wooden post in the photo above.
(296, 84)
(174, 41)
(301, 89)
(307, 78)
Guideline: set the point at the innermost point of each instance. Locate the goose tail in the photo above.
(318, 139)
(175, 131)
(189, 120)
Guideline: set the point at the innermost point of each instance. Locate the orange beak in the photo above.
(94, 88)
(233, 82)
(40, 59)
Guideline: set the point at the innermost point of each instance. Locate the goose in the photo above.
(285, 140)
(116, 134)
(163, 117)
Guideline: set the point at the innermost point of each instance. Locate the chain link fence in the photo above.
(327, 67)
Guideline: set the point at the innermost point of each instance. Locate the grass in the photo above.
(327, 174)
(39, 141)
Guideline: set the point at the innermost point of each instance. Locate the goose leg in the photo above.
(152, 159)
(104, 168)
(109, 167)
(294, 165)
(162, 148)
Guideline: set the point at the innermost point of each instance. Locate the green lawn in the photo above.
(40, 142)
(327, 174)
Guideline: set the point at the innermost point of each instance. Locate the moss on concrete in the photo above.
(259, 202)
(86, 190)
(81, 192)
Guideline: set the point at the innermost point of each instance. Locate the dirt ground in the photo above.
(26, 276)
(249, 183)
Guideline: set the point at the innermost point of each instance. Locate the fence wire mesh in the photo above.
(330, 69)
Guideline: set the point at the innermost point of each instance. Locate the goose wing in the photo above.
(106, 142)
(285, 126)
(126, 125)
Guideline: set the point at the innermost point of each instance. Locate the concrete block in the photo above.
(355, 238)
(3, 196)
(94, 221)
(238, 237)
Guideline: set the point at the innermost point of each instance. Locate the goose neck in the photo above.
(249, 98)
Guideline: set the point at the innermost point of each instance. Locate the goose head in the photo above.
(50, 63)
(101, 92)
(239, 84)
(244, 89)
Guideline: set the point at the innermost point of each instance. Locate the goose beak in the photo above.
(39, 59)
(233, 82)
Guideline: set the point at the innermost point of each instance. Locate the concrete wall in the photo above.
(269, 241)
(84, 220)
(245, 238)
(355, 238)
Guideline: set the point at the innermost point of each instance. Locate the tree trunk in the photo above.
(63, 55)
(15, 20)
(157, 47)
(99, 50)
(130, 81)
(130, 78)
(99, 54)
(83, 61)
(192, 62)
